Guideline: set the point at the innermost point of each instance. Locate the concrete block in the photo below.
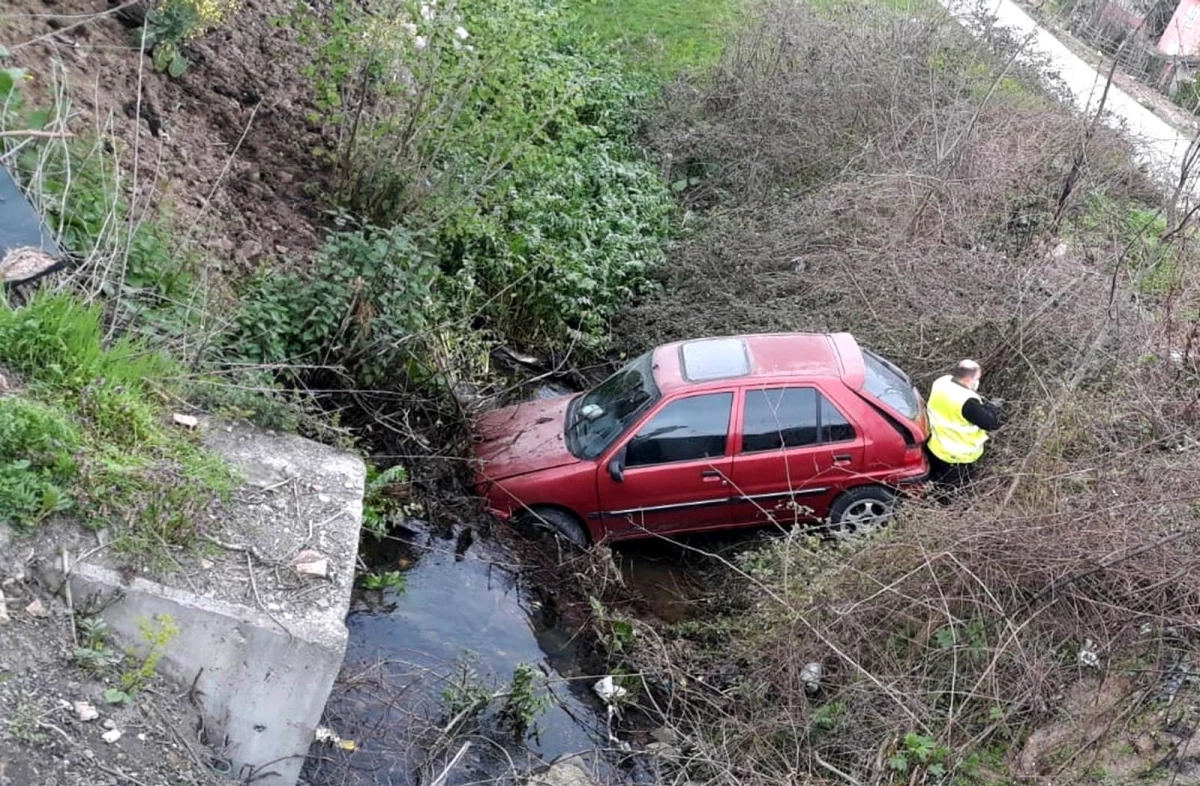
(262, 688)
(261, 640)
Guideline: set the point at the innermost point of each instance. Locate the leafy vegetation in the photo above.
(171, 24)
(522, 705)
(465, 693)
(488, 153)
(91, 426)
(25, 725)
(384, 503)
(1144, 259)
(367, 295)
(36, 461)
(516, 706)
(617, 634)
(94, 653)
(919, 751)
(89, 431)
(156, 634)
(392, 580)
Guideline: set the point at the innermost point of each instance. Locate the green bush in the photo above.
(502, 140)
(554, 255)
(98, 431)
(59, 341)
(36, 461)
(1187, 95)
(367, 297)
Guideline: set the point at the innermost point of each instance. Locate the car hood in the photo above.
(524, 438)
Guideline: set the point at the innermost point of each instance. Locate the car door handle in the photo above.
(710, 475)
(842, 458)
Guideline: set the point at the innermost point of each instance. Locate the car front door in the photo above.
(796, 452)
(672, 475)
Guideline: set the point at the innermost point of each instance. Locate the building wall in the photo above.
(1182, 36)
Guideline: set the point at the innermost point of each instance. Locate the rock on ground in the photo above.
(564, 772)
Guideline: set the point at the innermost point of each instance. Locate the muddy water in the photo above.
(407, 646)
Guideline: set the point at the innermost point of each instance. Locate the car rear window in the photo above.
(782, 418)
(891, 386)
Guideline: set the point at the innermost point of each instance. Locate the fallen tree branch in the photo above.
(36, 133)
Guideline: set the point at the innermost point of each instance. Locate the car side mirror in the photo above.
(616, 468)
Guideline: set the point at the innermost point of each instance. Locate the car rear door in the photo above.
(796, 450)
(674, 470)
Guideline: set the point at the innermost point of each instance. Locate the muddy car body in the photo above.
(711, 434)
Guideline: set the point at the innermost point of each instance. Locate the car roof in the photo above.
(718, 361)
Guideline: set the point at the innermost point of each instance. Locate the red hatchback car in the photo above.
(710, 434)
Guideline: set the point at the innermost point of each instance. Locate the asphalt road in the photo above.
(1161, 147)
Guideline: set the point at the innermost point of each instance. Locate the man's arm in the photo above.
(981, 414)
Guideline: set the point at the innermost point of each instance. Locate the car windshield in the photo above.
(609, 409)
(891, 385)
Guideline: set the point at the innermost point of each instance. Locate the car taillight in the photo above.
(914, 455)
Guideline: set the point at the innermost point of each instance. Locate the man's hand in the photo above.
(997, 403)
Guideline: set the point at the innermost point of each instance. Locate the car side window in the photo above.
(834, 426)
(685, 430)
(782, 418)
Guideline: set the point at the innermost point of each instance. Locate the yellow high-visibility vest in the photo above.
(953, 438)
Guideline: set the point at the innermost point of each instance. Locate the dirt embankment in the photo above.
(224, 153)
(226, 149)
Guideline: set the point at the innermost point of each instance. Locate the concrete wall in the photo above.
(262, 642)
(263, 689)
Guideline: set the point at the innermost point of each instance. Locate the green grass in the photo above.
(661, 37)
(1152, 264)
(89, 431)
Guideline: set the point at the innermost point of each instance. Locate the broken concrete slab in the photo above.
(260, 643)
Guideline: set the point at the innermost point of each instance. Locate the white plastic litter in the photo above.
(328, 736)
(608, 690)
(810, 675)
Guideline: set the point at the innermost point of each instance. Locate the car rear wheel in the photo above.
(557, 522)
(862, 508)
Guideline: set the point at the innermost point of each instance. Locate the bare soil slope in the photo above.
(226, 145)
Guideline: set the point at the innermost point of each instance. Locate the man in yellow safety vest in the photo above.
(959, 422)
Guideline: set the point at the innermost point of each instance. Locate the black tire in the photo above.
(862, 507)
(557, 522)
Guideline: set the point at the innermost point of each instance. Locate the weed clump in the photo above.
(89, 431)
(37, 465)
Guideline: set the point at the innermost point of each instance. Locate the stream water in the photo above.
(467, 613)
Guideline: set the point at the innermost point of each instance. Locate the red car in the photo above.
(710, 434)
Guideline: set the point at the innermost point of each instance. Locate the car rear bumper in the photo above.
(913, 486)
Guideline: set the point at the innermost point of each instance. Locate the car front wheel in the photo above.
(863, 508)
(557, 522)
